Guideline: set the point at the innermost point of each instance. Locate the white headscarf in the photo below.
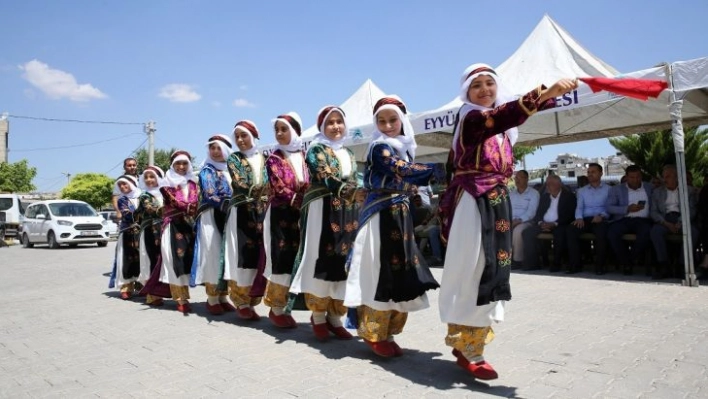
(132, 182)
(249, 128)
(503, 96)
(224, 142)
(404, 143)
(321, 137)
(292, 119)
(174, 179)
(159, 175)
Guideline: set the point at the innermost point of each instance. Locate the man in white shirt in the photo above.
(666, 212)
(556, 210)
(524, 203)
(628, 205)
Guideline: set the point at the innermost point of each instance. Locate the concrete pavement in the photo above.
(64, 334)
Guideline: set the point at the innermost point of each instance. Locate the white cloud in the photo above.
(243, 103)
(57, 84)
(179, 93)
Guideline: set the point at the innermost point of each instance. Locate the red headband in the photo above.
(157, 171)
(129, 178)
(325, 111)
(178, 153)
(219, 138)
(481, 69)
(295, 124)
(390, 100)
(248, 126)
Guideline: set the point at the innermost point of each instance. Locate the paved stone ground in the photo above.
(63, 334)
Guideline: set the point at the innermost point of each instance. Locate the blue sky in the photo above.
(197, 67)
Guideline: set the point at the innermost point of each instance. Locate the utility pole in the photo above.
(4, 137)
(150, 131)
(68, 177)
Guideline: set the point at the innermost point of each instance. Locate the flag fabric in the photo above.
(641, 89)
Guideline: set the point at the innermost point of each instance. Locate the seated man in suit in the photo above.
(556, 210)
(666, 212)
(628, 205)
(590, 217)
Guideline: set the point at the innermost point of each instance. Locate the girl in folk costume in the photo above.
(180, 197)
(244, 254)
(215, 185)
(288, 179)
(388, 277)
(150, 215)
(329, 221)
(475, 280)
(126, 267)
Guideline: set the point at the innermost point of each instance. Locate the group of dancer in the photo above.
(296, 230)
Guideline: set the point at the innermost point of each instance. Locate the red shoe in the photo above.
(228, 307)
(321, 331)
(382, 348)
(282, 321)
(480, 370)
(397, 350)
(184, 308)
(247, 313)
(340, 332)
(216, 310)
(157, 303)
(125, 295)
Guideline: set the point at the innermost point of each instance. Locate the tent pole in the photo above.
(678, 138)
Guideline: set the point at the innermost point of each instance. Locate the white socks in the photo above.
(319, 317)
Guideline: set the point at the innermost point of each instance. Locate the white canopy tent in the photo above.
(550, 53)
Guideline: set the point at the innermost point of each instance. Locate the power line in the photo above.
(74, 145)
(132, 154)
(37, 118)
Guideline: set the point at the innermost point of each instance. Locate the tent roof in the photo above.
(548, 54)
(358, 107)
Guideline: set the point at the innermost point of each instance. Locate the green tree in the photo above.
(17, 177)
(520, 151)
(651, 151)
(93, 188)
(162, 158)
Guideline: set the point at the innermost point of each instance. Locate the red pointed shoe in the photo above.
(215, 310)
(397, 350)
(184, 308)
(381, 348)
(339, 332)
(321, 331)
(282, 321)
(480, 370)
(247, 313)
(228, 307)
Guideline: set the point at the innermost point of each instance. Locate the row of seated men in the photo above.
(609, 212)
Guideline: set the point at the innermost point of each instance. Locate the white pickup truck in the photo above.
(11, 214)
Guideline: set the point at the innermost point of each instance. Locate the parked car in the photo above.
(112, 218)
(11, 214)
(57, 222)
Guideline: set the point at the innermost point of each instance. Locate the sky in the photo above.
(197, 67)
